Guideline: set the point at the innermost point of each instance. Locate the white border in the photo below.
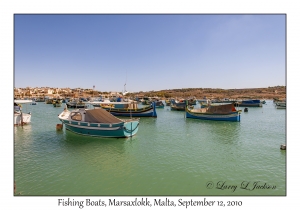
(9, 8)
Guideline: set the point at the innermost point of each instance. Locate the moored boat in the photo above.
(178, 105)
(249, 103)
(168, 102)
(226, 112)
(98, 123)
(76, 104)
(40, 99)
(128, 109)
(159, 104)
(21, 118)
(281, 105)
(49, 101)
(192, 101)
(57, 103)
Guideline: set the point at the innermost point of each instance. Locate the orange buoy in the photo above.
(59, 127)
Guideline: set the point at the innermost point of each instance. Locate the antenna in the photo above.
(125, 91)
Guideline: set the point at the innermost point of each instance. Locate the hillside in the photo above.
(262, 93)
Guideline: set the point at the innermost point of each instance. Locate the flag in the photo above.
(93, 86)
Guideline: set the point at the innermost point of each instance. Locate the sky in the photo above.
(149, 52)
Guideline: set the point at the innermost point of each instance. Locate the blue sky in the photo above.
(149, 52)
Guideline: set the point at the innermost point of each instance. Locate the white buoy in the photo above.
(283, 147)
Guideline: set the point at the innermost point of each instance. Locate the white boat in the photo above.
(281, 105)
(21, 118)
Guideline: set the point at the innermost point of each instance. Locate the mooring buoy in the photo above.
(59, 127)
(283, 147)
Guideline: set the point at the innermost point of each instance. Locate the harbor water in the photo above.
(170, 155)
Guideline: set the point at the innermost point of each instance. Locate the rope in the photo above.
(130, 131)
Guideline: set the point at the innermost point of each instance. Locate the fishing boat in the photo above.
(159, 104)
(57, 103)
(226, 112)
(76, 104)
(168, 102)
(40, 99)
(179, 105)
(146, 101)
(49, 101)
(21, 118)
(98, 123)
(33, 102)
(128, 109)
(249, 103)
(281, 105)
(192, 101)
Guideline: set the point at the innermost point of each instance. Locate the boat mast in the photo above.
(125, 91)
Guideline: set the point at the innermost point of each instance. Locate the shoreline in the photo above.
(277, 92)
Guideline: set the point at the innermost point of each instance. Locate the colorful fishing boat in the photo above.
(159, 104)
(98, 123)
(178, 105)
(128, 109)
(226, 112)
(192, 101)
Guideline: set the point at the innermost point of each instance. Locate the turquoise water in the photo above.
(170, 155)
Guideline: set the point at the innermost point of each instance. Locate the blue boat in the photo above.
(226, 112)
(98, 123)
(249, 103)
(128, 109)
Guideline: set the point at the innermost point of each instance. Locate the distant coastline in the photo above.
(278, 92)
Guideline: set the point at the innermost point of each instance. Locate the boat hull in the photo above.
(26, 119)
(248, 105)
(160, 107)
(234, 116)
(76, 106)
(119, 130)
(177, 108)
(125, 113)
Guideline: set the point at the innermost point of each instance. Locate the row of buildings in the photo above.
(58, 92)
